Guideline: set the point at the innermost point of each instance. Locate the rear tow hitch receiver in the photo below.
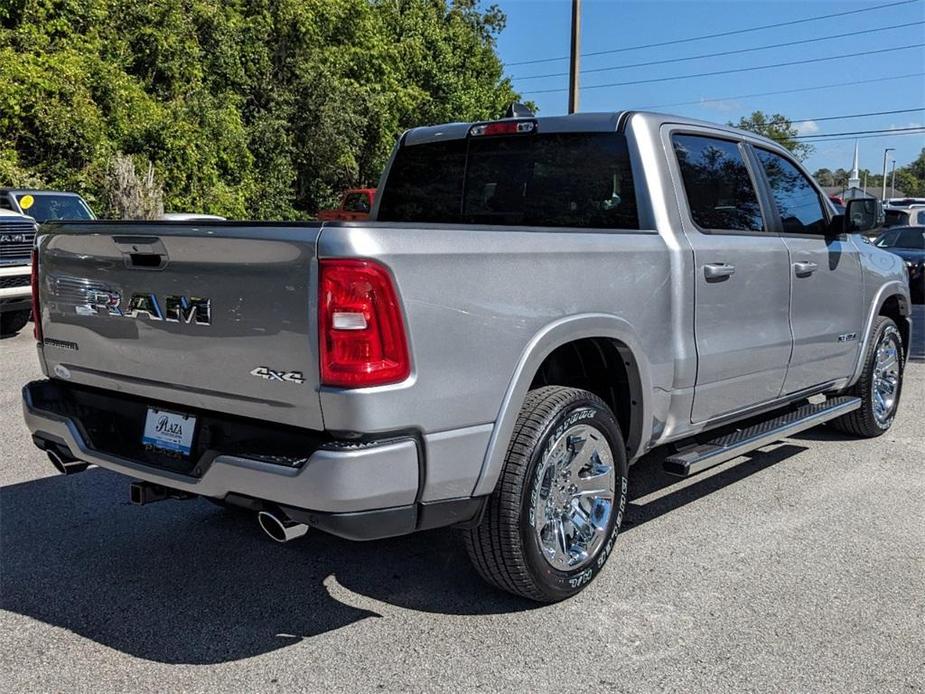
(142, 493)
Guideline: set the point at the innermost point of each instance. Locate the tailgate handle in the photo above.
(145, 260)
(142, 252)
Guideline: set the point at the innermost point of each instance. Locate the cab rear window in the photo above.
(577, 180)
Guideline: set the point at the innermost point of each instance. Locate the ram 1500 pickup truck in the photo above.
(535, 304)
(17, 234)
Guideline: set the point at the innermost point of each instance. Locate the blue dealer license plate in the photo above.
(169, 431)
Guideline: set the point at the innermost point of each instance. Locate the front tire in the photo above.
(880, 384)
(14, 321)
(551, 523)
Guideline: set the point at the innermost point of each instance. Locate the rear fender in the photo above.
(554, 335)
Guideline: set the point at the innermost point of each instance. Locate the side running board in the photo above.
(693, 460)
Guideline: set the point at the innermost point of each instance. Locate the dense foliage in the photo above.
(247, 108)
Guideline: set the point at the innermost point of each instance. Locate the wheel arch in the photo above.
(892, 300)
(609, 339)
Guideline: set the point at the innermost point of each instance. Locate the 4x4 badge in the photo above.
(274, 375)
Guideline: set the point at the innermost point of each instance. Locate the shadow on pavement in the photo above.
(647, 477)
(185, 582)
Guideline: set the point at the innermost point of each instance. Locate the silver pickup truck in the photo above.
(537, 303)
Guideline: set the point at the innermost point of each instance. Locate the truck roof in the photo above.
(39, 191)
(607, 121)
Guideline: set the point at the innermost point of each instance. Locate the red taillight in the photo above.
(36, 312)
(361, 330)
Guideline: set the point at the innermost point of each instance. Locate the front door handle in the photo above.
(804, 268)
(718, 271)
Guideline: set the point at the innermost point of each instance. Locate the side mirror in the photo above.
(862, 214)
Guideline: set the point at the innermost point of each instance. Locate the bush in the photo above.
(130, 196)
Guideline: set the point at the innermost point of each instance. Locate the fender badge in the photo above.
(274, 375)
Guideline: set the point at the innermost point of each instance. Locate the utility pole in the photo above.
(885, 152)
(893, 180)
(575, 58)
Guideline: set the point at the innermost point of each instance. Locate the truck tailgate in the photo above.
(217, 315)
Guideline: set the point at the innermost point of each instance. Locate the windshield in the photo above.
(580, 180)
(47, 207)
(912, 238)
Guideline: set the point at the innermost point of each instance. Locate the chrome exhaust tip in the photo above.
(280, 528)
(65, 464)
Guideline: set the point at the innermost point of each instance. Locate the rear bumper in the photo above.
(334, 478)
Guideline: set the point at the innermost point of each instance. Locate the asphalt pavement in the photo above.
(798, 568)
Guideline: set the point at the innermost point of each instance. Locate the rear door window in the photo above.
(580, 180)
(798, 203)
(717, 183)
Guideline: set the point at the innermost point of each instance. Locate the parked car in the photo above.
(17, 233)
(904, 216)
(45, 205)
(909, 244)
(905, 202)
(534, 304)
(354, 206)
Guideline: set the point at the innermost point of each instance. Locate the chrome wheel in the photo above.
(886, 377)
(575, 497)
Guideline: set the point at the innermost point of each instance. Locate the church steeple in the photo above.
(854, 178)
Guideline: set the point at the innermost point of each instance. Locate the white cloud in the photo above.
(721, 105)
(807, 127)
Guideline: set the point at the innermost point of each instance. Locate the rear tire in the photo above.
(12, 322)
(880, 384)
(552, 521)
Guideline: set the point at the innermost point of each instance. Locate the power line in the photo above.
(667, 61)
(859, 115)
(827, 85)
(721, 34)
(869, 137)
(861, 132)
(732, 70)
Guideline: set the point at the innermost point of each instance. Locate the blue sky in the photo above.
(540, 29)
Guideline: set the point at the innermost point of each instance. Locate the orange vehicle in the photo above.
(355, 205)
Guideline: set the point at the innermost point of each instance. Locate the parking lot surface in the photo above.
(800, 568)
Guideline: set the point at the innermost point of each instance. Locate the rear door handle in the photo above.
(718, 271)
(804, 268)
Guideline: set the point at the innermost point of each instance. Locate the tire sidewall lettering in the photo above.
(580, 412)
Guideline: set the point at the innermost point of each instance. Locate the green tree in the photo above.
(910, 179)
(253, 108)
(778, 128)
(824, 177)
